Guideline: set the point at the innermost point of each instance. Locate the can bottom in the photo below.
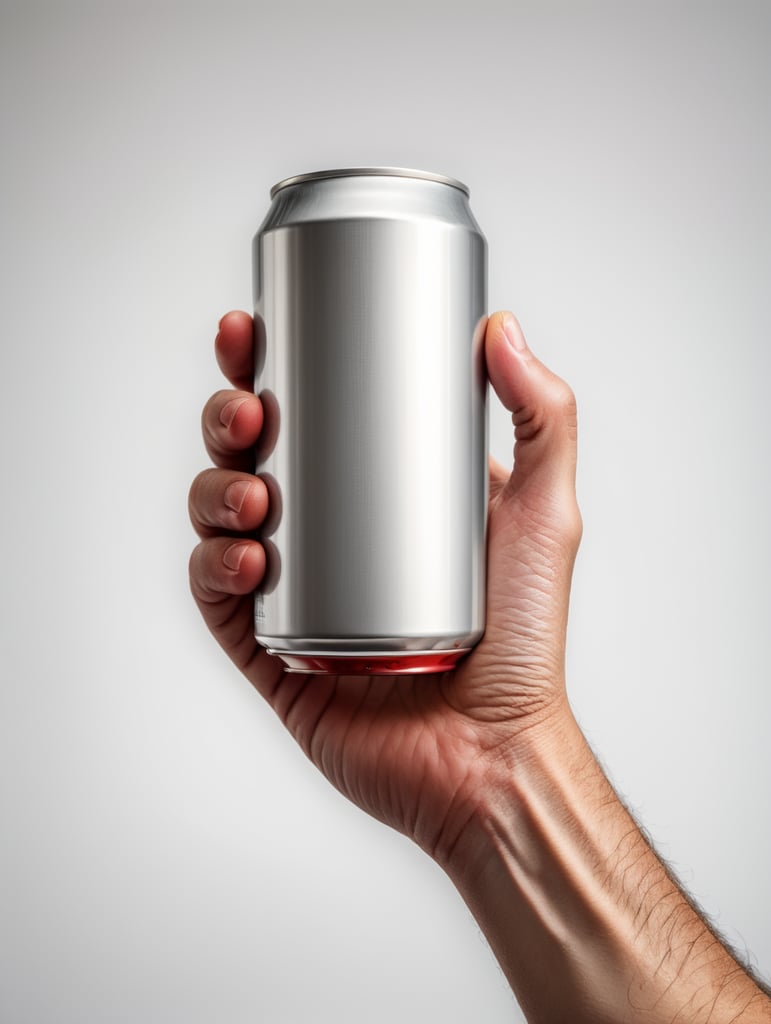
(420, 662)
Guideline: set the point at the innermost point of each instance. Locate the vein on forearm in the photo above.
(571, 880)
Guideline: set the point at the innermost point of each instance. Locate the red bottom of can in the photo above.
(376, 664)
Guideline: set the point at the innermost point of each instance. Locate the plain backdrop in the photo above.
(166, 854)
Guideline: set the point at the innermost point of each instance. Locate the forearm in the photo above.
(583, 917)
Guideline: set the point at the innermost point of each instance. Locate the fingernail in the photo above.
(234, 555)
(514, 334)
(235, 494)
(228, 412)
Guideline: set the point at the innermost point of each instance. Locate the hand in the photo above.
(411, 750)
(484, 766)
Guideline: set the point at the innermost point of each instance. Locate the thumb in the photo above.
(534, 527)
(543, 410)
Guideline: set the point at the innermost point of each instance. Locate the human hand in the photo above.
(413, 751)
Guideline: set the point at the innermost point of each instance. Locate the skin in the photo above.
(484, 767)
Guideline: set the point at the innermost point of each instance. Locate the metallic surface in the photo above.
(370, 311)
(360, 172)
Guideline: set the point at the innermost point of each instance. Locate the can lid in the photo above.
(357, 172)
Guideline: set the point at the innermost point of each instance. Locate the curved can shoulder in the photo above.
(369, 193)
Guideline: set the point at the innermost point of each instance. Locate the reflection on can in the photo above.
(370, 297)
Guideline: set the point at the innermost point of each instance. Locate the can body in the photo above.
(370, 298)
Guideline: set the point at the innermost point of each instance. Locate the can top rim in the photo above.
(357, 172)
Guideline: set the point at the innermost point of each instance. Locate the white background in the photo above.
(166, 854)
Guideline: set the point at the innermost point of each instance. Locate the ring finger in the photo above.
(223, 500)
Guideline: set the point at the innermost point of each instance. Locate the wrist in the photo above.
(514, 777)
(517, 761)
(577, 907)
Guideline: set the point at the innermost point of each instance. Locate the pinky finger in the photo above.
(223, 574)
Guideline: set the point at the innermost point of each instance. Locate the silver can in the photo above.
(370, 299)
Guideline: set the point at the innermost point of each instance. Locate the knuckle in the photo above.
(573, 525)
(208, 419)
(569, 522)
(564, 400)
(203, 585)
(215, 403)
(197, 494)
(563, 411)
(205, 504)
(194, 569)
(192, 499)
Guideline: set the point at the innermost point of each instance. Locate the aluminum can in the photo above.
(370, 300)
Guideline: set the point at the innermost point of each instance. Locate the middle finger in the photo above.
(232, 422)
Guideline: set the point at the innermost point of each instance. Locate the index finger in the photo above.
(234, 347)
